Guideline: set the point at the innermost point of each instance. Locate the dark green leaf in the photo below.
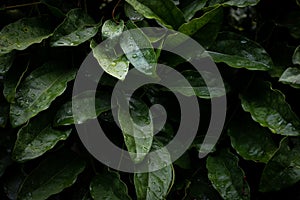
(165, 12)
(6, 62)
(12, 183)
(38, 90)
(238, 3)
(240, 52)
(227, 177)
(83, 104)
(138, 50)
(190, 10)
(108, 186)
(23, 33)
(291, 76)
(137, 128)
(296, 56)
(268, 107)
(155, 185)
(52, 176)
(283, 169)
(292, 22)
(36, 138)
(5, 161)
(250, 140)
(4, 114)
(77, 28)
(111, 30)
(132, 14)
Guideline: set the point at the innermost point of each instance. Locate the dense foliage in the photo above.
(255, 44)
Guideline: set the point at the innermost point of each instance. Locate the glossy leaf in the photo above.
(109, 186)
(226, 176)
(291, 76)
(240, 52)
(190, 10)
(250, 140)
(53, 175)
(268, 107)
(138, 50)
(198, 86)
(38, 90)
(83, 104)
(36, 138)
(165, 12)
(23, 33)
(155, 185)
(238, 3)
(296, 56)
(132, 14)
(111, 63)
(6, 62)
(77, 28)
(111, 30)
(283, 169)
(137, 128)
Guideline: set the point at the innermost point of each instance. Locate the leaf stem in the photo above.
(20, 5)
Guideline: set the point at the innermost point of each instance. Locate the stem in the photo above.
(21, 5)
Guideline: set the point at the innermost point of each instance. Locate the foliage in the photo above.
(256, 45)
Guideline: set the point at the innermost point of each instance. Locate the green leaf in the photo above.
(296, 56)
(268, 107)
(291, 21)
(23, 33)
(110, 62)
(83, 103)
(36, 138)
(138, 50)
(198, 86)
(38, 90)
(237, 3)
(131, 13)
(227, 177)
(190, 10)
(5, 161)
(291, 76)
(250, 140)
(54, 174)
(111, 30)
(283, 170)
(137, 128)
(6, 62)
(4, 114)
(156, 184)
(165, 12)
(109, 186)
(240, 52)
(77, 28)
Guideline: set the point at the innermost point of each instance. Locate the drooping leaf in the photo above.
(198, 86)
(23, 33)
(156, 184)
(250, 140)
(240, 52)
(137, 127)
(237, 3)
(6, 62)
(109, 186)
(138, 50)
(77, 28)
(291, 76)
(165, 12)
(283, 169)
(38, 90)
(190, 9)
(132, 14)
(83, 104)
(110, 29)
(54, 174)
(268, 107)
(37, 137)
(226, 176)
(296, 56)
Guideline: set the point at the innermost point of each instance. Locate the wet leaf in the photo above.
(132, 14)
(77, 28)
(38, 90)
(54, 174)
(240, 52)
(6, 62)
(138, 50)
(283, 169)
(37, 137)
(165, 12)
(226, 176)
(23, 33)
(291, 76)
(111, 30)
(190, 9)
(268, 107)
(238, 3)
(108, 185)
(250, 140)
(296, 56)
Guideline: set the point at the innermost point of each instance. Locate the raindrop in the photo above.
(134, 56)
(243, 41)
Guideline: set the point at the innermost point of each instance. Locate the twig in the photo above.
(20, 5)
